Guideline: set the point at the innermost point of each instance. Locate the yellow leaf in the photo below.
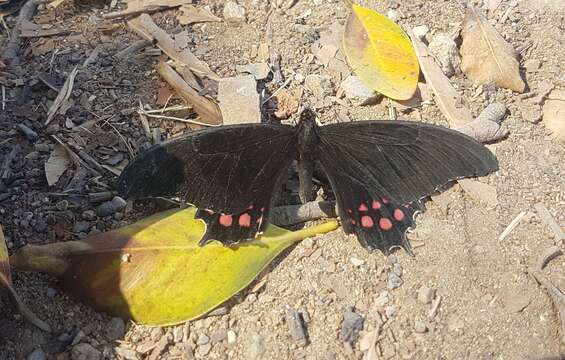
(153, 271)
(380, 53)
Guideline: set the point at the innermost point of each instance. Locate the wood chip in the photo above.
(546, 217)
(448, 99)
(206, 108)
(146, 28)
(511, 226)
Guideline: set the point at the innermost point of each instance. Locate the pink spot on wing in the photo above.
(385, 201)
(353, 222)
(363, 207)
(262, 209)
(407, 206)
(244, 220)
(250, 207)
(225, 220)
(398, 215)
(366, 221)
(385, 224)
(209, 211)
(376, 205)
(349, 211)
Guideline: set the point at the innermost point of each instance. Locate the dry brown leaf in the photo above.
(136, 7)
(554, 113)
(485, 56)
(192, 14)
(57, 164)
(448, 99)
(63, 97)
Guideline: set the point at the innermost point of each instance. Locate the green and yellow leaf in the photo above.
(154, 272)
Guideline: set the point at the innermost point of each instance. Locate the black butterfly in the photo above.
(379, 170)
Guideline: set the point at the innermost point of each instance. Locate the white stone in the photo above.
(420, 31)
(426, 295)
(393, 15)
(234, 12)
(231, 337)
(444, 49)
(356, 262)
(239, 100)
(357, 92)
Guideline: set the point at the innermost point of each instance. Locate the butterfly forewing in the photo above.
(229, 173)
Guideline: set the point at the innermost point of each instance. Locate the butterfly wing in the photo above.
(380, 170)
(230, 173)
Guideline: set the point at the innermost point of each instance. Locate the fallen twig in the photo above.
(556, 296)
(435, 307)
(548, 255)
(206, 108)
(146, 28)
(448, 99)
(549, 220)
(136, 46)
(11, 49)
(511, 226)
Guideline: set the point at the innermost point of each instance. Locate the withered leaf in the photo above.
(485, 56)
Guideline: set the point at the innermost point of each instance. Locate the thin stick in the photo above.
(190, 121)
(276, 91)
(3, 98)
(511, 226)
(172, 108)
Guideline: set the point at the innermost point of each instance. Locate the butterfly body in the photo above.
(378, 170)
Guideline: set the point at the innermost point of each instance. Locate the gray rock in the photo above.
(234, 12)
(178, 333)
(37, 354)
(203, 350)
(109, 207)
(239, 100)
(420, 327)
(85, 351)
(426, 294)
(357, 92)
(116, 329)
(89, 215)
(394, 281)
(320, 86)
(260, 71)
(352, 324)
(42, 147)
(81, 226)
(203, 339)
(126, 353)
(444, 49)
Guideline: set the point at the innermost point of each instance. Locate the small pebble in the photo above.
(394, 281)
(426, 295)
(85, 351)
(42, 147)
(390, 311)
(203, 339)
(234, 12)
(37, 354)
(116, 329)
(420, 327)
(231, 337)
(352, 324)
(420, 31)
(356, 262)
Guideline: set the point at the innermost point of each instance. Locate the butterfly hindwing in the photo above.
(393, 165)
(231, 170)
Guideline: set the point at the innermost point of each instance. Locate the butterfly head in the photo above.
(307, 115)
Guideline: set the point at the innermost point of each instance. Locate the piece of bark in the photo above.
(133, 48)
(485, 56)
(137, 7)
(146, 28)
(11, 49)
(486, 127)
(448, 99)
(206, 108)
